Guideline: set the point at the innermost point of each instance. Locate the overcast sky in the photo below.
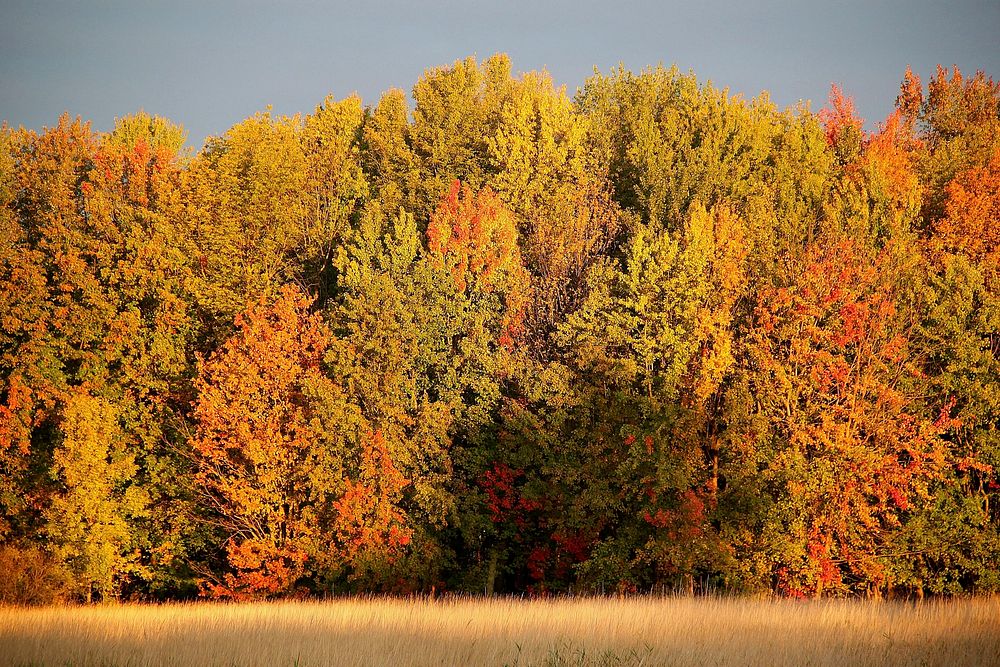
(207, 65)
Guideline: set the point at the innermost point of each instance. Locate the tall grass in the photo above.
(591, 631)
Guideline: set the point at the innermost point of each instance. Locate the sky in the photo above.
(209, 64)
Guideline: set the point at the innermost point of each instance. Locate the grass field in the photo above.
(593, 631)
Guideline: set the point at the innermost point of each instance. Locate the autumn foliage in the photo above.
(972, 209)
(836, 379)
(475, 238)
(264, 457)
(840, 120)
(652, 337)
(368, 523)
(256, 443)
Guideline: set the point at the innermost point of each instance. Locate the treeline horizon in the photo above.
(495, 339)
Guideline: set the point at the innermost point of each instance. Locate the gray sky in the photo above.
(209, 64)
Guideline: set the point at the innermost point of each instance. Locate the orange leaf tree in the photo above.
(273, 443)
(847, 450)
(260, 452)
(475, 237)
(878, 193)
(842, 124)
(369, 526)
(969, 226)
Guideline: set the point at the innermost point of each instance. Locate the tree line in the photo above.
(492, 338)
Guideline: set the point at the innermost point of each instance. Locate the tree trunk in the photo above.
(491, 573)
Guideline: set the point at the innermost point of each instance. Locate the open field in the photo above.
(640, 631)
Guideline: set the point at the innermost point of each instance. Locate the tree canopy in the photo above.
(492, 337)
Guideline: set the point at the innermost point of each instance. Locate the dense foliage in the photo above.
(496, 339)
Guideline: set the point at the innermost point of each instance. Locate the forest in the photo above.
(492, 338)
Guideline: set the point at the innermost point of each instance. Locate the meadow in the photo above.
(506, 631)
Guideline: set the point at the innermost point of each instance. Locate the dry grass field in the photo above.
(593, 631)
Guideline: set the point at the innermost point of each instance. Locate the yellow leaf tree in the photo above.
(88, 518)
